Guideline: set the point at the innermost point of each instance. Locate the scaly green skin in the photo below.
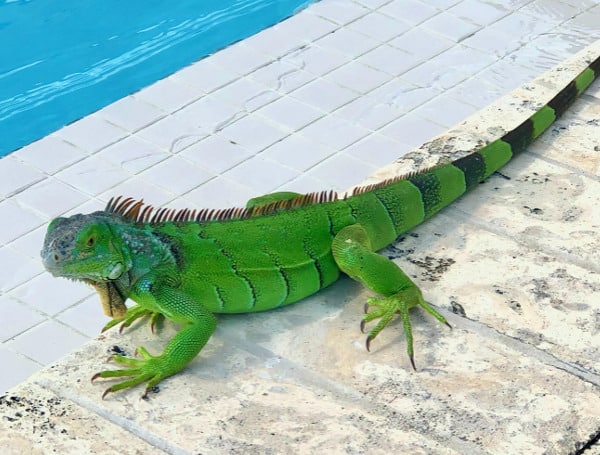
(278, 253)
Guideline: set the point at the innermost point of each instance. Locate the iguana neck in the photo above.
(147, 251)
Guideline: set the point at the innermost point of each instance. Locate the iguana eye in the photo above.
(91, 241)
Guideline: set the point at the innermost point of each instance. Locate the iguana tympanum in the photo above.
(187, 265)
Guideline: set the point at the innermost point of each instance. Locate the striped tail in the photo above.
(481, 164)
(392, 207)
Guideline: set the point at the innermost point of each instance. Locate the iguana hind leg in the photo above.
(354, 256)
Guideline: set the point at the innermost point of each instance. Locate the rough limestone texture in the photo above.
(514, 266)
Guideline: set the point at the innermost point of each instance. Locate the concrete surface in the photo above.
(513, 265)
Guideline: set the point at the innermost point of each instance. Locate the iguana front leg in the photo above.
(198, 325)
(354, 256)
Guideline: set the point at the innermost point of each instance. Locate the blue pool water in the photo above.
(63, 59)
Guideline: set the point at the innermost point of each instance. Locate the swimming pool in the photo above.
(60, 61)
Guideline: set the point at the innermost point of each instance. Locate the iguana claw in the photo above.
(400, 303)
(134, 313)
(150, 368)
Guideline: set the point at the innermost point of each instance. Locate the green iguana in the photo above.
(186, 265)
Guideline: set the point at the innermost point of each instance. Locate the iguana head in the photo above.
(83, 247)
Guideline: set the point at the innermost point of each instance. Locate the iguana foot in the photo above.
(152, 369)
(134, 313)
(386, 307)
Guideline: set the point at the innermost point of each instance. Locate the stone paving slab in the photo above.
(36, 421)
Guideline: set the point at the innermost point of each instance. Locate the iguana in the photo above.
(187, 265)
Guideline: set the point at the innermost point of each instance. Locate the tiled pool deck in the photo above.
(320, 101)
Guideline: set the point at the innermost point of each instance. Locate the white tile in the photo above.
(275, 41)
(51, 295)
(385, 104)
(544, 52)
(324, 95)
(58, 340)
(510, 32)
(50, 198)
(390, 60)
(445, 4)
(22, 221)
(585, 23)
(91, 133)
(369, 112)
(305, 183)
(411, 11)
(479, 12)
(216, 153)
(253, 133)
(554, 11)
(205, 76)
(167, 95)
(451, 26)
(173, 133)
(492, 83)
(348, 42)
(342, 171)
(50, 154)
(221, 192)
(30, 244)
(334, 132)
(358, 77)
(131, 113)
(17, 268)
(412, 130)
(338, 11)
(583, 5)
(16, 318)
(282, 76)
(298, 152)
(92, 205)
(211, 113)
(246, 94)
(17, 369)
(261, 174)
(453, 66)
(16, 176)
(240, 58)
(139, 188)
(445, 110)
(305, 27)
(422, 44)
(291, 113)
(378, 150)
(316, 60)
(176, 174)
(133, 154)
(93, 175)
(379, 26)
(85, 317)
(373, 4)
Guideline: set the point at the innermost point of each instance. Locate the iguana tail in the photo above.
(479, 165)
(408, 201)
